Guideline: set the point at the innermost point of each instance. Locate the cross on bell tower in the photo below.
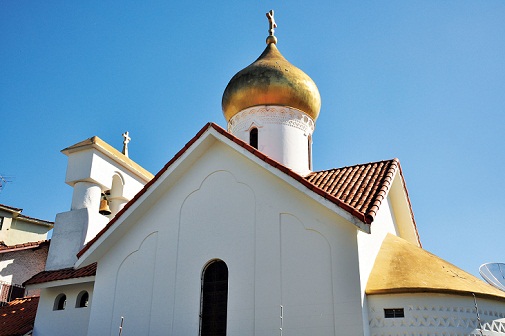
(126, 136)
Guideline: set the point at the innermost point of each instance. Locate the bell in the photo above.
(104, 207)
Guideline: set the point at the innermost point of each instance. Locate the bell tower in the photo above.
(273, 106)
(104, 180)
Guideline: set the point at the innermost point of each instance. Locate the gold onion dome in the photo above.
(271, 80)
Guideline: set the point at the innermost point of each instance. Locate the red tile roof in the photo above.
(25, 246)
(362, 187)
(18, 316)
(62, 274)
(359, 193)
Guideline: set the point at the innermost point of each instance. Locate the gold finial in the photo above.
(271, 20)
(126, 136)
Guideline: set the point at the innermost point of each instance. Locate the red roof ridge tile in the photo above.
(355, 165)
(22, 246)
(386, 184)
(62, 274)
(362, 187)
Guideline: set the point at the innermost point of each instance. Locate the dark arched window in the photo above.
(253, 138)
(82, 300)
(214, 299)
(60, 302)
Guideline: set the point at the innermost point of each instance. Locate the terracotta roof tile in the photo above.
(358, 190)
(361, 187)
(25, 246)
(18, 316)
(62, 274)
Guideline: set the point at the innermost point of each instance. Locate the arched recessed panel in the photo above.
(306, 280)
(214, 299)
(134, 284)
(220, 226)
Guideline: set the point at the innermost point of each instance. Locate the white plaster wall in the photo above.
(369, 246)
(280, 249)
(72, 229)
(283, 133)
(428, 314)
(86, 195)
(70, 321)
(79, 166)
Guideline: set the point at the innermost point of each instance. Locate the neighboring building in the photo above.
(236, 235)
(23, 253)
(16, 228)
(19, 263)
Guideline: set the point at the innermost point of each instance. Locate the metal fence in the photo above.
(9, 292)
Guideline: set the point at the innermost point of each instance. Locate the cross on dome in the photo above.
(272, 25)
(271, 21)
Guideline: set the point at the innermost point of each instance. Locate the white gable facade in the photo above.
(292, 262)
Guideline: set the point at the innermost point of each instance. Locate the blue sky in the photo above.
(423, 81)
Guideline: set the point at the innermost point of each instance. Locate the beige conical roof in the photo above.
(402, 267)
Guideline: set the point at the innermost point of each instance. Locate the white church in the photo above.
(237, 235)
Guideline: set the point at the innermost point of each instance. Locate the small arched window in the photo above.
(60, 302)
(253, 137)
(214, 299)
(82, 300)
